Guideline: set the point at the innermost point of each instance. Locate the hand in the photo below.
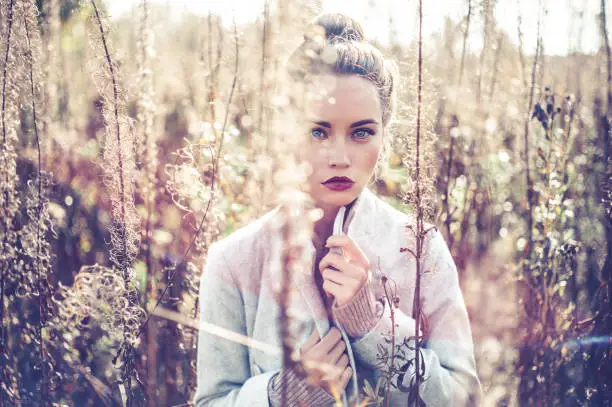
(325, 361)
(353, 269)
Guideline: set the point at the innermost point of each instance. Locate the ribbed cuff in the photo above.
(360, 314)
(298, 391)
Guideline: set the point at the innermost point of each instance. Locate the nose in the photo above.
(338, 155)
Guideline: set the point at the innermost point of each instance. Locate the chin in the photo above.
(338, 198)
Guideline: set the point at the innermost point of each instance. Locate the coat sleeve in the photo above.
(450, 368)
(223, 370)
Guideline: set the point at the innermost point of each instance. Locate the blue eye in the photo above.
(363, 134)
(318, 133)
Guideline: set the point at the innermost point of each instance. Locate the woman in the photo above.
(348, 320)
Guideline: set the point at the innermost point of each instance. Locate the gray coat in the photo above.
(238, 295)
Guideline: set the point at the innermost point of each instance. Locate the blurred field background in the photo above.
(115, 182)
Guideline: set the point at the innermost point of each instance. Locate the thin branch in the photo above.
(9, 31)
(530, 191)
(120, 157)
(283, 316)
(215, 330)
(6, 221)
(519, 29)
(122, 263)
(39, 208)
(604, 32)
(419, 208)
(498, 51)
(189, 248)
(231, 95)
(212, 188)
(264, 55)
(447, 210)
(390, 301)
(485, 44)
(524, 356)
(465, 39)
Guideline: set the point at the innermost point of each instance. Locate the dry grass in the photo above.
(114, 183)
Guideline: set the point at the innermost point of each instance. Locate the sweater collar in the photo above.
(355, 224)
(356, 219)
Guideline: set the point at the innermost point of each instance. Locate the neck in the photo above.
(324, 227)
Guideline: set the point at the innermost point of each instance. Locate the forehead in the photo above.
(343, 98)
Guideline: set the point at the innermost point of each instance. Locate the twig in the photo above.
(519, 24)
(447, 210)
(262, 117)
(485, 44)
(530, 191)
(604, 32)
(215, 330)
(465, 38)
(231, 95)
(446, 204)
(264, 55)
(9, 31)
(39, 211)
(283, 317)
(120, 157)
(124, 262)
(524, 356)
(500, 42)
(390, 301)
(419, 208)
(149, 166)
(213, 70)
(6, 221)
(174, 272)
(212, 189)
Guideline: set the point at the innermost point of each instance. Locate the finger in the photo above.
(331, 374)
(338, 277)
(338, 379)
(350, 248)
(336, 352)
(333, 289)
(328, 342)
(311, 341)
(344, 379)
(333, 259)
(342, 362)
(337, 261)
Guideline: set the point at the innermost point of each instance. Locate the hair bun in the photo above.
(340, 28)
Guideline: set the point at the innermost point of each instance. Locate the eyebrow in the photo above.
(356, 124)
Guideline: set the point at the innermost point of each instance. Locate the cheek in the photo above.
(369, 157)
(372, 157)
(311, 156)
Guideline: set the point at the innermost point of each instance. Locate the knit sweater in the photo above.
(239, 294)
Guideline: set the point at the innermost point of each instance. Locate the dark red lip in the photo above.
(339, 179)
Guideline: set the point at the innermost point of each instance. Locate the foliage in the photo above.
(115, 180)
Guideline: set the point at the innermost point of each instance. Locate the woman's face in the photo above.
(345, 137)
